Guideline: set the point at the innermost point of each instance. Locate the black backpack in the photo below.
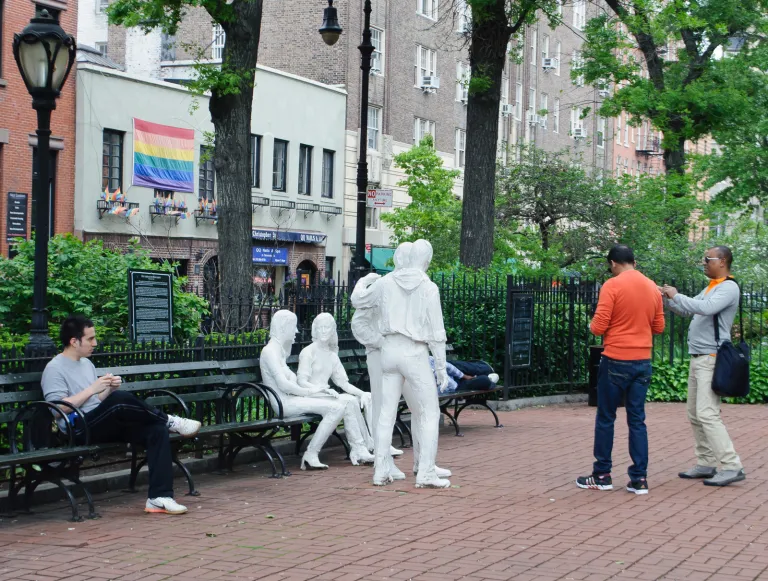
(731, 377)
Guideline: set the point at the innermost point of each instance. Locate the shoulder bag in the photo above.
(731, 377)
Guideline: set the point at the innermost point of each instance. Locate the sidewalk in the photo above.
(513, 513)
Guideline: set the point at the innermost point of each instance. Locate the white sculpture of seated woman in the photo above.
(319, 364)
(298, 400)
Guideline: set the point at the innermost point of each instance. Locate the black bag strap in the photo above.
(741, 316)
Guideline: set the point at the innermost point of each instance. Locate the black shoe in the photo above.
(638, 486)
(595, 482)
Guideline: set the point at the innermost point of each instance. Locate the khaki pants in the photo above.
(713, 444)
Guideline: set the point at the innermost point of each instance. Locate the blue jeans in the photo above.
(617, 379)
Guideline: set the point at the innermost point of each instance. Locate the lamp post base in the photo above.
(40, 343)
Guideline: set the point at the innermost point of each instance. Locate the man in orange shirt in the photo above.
(629, 312)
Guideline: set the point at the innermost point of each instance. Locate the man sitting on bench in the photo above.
(468, 376)
(113, 415)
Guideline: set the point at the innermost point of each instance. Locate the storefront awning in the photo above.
(380, 258)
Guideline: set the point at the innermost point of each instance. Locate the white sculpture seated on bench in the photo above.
(298, 400)
(319, 364)
(404, 307)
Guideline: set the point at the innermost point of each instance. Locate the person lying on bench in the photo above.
(113, 415)
(468, 376)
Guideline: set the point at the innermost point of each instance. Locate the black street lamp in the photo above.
(44, 54)
(330, 31)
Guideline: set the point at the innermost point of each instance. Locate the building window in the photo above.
(427, 8)
(545, 46)
(626, 132)
(576, 120)
(206, 174)
(372, 218)
(112, 160)
(426, 64)
(579, 14)
(463, 16)
(531, 100)
(577, 63)
(101, 6)
(518, 101)
(544, 108)
(601, 132)
(461, 147)
(256, 161)
(329, 266)
(305, 169)
(2, 9)
(102, 48)
(421, 128)
(534, 41)
(377, 58)
(556, 116)
(374, 127)
(328, 157)
(463, 73)
(279, 163)
(558, 50)
(217, 45)
(559, 7)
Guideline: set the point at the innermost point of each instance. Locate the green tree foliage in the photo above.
(88, 279)
(434, 212)
(683, 88)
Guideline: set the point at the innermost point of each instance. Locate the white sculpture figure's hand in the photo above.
(442, 379)
(332, 392)
(365, 400)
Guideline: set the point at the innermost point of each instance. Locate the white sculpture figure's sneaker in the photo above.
(394, 451)
(312, 460)
(360, 455)
(441, 472)
(382, 477)
(164, 505)
(183, 426)
(433, 483)
(396, 473)
(494, 377)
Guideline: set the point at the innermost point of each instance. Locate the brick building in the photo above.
(18, 122)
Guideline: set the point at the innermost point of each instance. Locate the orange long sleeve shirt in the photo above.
(629, 312)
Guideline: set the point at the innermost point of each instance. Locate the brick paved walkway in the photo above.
(513, 513)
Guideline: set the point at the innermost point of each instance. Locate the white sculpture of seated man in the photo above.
(298, 400)
(319, 363)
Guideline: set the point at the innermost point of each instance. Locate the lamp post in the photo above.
(44, 54)
(330, 31)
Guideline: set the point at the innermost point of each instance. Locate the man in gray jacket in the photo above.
(720, 299)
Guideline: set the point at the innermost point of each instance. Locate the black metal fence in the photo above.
(475, 312)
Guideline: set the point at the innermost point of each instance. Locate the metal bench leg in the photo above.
(92, 514)
(399, 431)
(187, 475)
(29, 491)
(343, 443)
(453, 421)
(135, 469)
(73, 503)
(13, 492)
(277, 453)
(483, 403)
(271, 460)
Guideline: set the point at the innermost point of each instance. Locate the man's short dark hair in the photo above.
(621, 254)
(725, 253)
(73, 327)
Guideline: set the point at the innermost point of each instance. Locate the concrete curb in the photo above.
(527, 402)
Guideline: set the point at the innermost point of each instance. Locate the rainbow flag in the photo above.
(163, 157)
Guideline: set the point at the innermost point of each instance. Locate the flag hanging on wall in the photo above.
(163, 157)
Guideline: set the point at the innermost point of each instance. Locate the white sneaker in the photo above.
(494, 377)
(433, 483)
(396, 473)
(394, 451)
(164, 504)
(441, 472)
(183, 426)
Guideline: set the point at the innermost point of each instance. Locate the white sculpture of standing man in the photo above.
(298, 400)
(411, 322)
(318, 363)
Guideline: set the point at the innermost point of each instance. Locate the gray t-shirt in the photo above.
(64, 378)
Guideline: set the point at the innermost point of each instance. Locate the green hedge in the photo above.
(670, 383)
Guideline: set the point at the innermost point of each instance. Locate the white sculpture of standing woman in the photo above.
(411, 323)
(318, 363)
(298, 400)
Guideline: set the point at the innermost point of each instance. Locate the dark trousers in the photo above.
(479, 370)
(123, 417)
(617, 379)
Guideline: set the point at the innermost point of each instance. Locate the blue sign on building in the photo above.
(287, 236)
(263, 255)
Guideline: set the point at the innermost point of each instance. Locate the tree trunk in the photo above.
(544, 233)
(674, 157)
(231, 115)
(486, 56)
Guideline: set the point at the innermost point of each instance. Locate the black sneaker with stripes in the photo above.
(595, 482)
(639, 486)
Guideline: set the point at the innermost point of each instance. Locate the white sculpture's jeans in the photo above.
(406, 371)
(333, 410)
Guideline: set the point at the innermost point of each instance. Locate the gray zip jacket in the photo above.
(723, 301)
